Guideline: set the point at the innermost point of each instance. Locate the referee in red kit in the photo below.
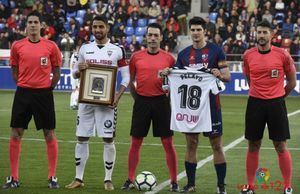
(150, 104)
(32, 60)
(265, 67)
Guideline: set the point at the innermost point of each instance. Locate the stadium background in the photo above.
(231, 25)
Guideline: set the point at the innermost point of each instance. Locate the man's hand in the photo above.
(82, 66)
(166, 71)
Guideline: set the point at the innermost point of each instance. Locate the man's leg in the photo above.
(219, 159)
(52, 153)
(285, 162)
(252, 161)
(171, 157)
(14, 151)
(134, 156)
(109, 158)
(191, 158)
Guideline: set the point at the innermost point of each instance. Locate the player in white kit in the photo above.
(98, 119)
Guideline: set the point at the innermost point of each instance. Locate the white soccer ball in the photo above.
(145, 181)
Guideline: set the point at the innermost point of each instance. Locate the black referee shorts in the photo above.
(38, 103)
(146, 109)
(272, 112)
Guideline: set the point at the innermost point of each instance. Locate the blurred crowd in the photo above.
(230, 23)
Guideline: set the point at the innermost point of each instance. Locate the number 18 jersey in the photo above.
(190, 93)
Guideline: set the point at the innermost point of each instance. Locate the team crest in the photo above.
(274, 73)
(109, 53)
(108, 123)
(204, 57)
(44, 61)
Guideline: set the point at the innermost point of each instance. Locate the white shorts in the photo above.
(96, 118)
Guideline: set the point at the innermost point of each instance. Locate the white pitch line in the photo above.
(150, 144)
(204, 161)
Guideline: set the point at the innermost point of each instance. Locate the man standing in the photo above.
(265, 67)
(206, 56)
(32, 60)
(150, 104)
(98, 117)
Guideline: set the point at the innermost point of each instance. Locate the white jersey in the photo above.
(110, 55)
(190, 103)
(96, 118)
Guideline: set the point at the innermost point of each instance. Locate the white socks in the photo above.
(81, 156)
(109, 158)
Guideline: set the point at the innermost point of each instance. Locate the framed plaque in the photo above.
(97, 84)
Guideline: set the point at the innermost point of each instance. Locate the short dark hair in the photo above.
(155, 25)
(34, 13)
(197, 21)
(100, 18)
(264, 23)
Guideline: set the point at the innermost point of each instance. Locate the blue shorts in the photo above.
(216, 117)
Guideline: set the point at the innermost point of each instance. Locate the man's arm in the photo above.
(125, 81)
(291, 82)
(132, 86)
(56, 76)
(223, 73)
(15, 73)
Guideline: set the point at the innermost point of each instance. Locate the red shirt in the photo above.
(145, 68)
(35, 62)
(266, 72)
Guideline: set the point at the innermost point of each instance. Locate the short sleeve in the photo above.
(14, 57)
(179, 62)
(122, 60)
(56, 56)
(289, 64)
(132, 65)
(245, 65)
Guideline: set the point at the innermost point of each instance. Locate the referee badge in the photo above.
(44, 61)
(274, 73)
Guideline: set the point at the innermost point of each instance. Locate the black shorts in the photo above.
(156, 109)
(36, 102)
(271, 112)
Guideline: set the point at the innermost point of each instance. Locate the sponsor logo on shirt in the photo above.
(99, 61)
(198, 65)
(187, 118)
(90, 52)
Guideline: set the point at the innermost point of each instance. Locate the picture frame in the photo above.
(97, 84)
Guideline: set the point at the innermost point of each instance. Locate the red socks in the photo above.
(285, 165)
(52, 151)
(251, 167)
(14, 155)
(134, 156)
(171, 157)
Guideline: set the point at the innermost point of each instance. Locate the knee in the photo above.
(280, 147)
(217, 147)
(254, 146)
(192, 144)
(49, 135)
(17, 133)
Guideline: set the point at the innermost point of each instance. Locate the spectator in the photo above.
(287, 28)
(279, 6)
(221, 28)
(121, 14)
(221, 13)
(256, 14)
(143, 9)
(218, 40)
(88, 16)
(170, 38)
(38, 6)
(100, 8)
(244, 17)
(135, 16)
(181, 10)
(165, 3)
(251, 5)
(175, 26)
(154, 10)
(267, 16)
(210, 27)
(48, 31)
(4, 40)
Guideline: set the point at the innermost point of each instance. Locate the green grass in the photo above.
(33, 161)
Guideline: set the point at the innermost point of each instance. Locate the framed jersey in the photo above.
(97, 84)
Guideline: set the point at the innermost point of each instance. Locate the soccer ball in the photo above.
(145, 181)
